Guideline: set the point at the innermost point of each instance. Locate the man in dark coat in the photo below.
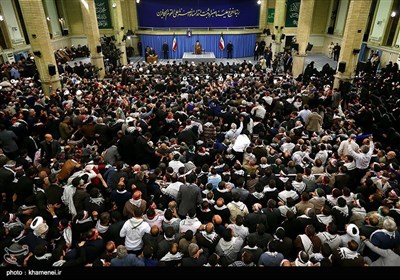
(229, 49)
(50, 148)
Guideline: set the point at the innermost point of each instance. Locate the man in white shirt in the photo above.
(240, 145)
(176, 163)
(234, 132)
(347, 144)
(362, 158)
(133, 230)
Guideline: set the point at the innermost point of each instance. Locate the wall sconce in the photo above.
(1, 18)
(34, 36)
(138, 1)
(114, 5)
(259, 2)
(393, 14)
(48, 18)
(61, 19)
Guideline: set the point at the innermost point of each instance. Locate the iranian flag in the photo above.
(221, 43)
(174, 44)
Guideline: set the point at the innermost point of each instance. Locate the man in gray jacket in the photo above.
(189, 196)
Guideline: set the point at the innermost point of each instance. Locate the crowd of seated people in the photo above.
(70, 53)
(205, 164)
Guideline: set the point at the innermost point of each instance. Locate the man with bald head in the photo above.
(207, 237)
(254, 218)
(49, 148)
(222, 210)
(153, 238)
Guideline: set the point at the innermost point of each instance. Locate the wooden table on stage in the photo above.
(152, 59)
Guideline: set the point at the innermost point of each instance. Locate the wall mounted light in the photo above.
(114, 5)
(393, 14)
(1, 18)
(259, 2)
(138, 1)
(34, 36)
(48, 18)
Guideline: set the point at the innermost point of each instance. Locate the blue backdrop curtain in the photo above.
(243, 45)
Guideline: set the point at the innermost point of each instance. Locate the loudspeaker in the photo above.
(267, 31)
(65, 32)
(52, 69)
(356, 51)
(283, 37)
(273, 36)
(295, 46)
(309, 47)
(98, 48)
(342, 66)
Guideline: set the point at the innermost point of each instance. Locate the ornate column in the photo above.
(279, 24)
(36, 24)
(119, 29)
(356, 22)
(93, 34)
(302, 35)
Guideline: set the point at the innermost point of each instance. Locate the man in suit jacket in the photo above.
(229, 49)
(50, 148)
(189, 196)
(165, 49)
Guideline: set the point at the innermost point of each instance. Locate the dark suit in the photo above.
(144, 153)
(189, 196)
(165, 50)
(50, 150)
(229, 50)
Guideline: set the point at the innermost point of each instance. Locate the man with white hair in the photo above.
(386, 238)
(234, 132)
(347, 144)
(258, 110)
(125, 259)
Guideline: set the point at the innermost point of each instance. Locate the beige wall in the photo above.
(74, 14)
(319, 17)
(61, 43)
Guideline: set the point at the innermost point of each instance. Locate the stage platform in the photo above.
(204, 57)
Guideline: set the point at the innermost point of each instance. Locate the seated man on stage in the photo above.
(197, 48)
(152, 57)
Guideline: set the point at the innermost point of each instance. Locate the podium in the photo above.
(152, 59)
